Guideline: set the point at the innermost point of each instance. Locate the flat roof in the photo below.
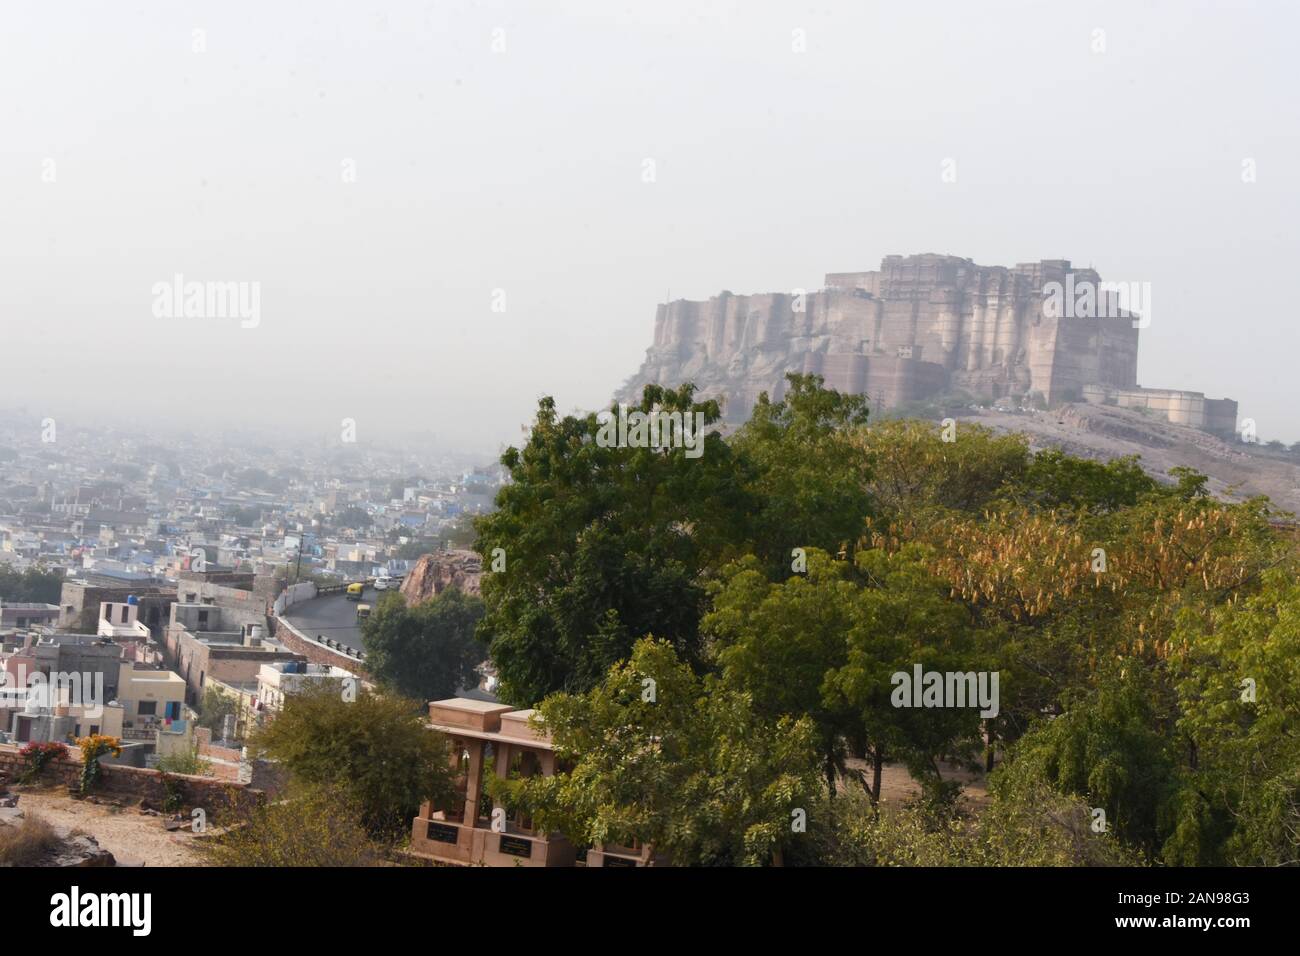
(533, 743)
(469, 704)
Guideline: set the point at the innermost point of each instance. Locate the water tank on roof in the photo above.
(132, 599)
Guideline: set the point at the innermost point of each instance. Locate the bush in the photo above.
(38, 756)
(378, 749)
(26, 842)
(1025, 824)
(186, 762)
(312, 826)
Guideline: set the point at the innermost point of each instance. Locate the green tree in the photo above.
(902, 619)
(352, 517)
(418, 548)
(1107, 747)
(1057, 480)
(673, 760)
(375, 748)
(915, 472)
(1237, 674)
(808, 474)
(35, 585)
(214, 708)
(602, 545)
(425, 652)
(778, 642)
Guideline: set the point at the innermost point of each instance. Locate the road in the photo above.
(335, 617)
(332, 616)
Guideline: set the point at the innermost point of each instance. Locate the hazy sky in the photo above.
(126, 157)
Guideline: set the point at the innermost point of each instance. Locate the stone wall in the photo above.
(316, 652)
(134, 783)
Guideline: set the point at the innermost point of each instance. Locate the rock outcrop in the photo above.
(1236, 471)
(436, 572)
(66, 847)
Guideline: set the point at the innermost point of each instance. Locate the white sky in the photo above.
(521, 170)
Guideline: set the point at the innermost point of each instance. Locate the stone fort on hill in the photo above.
(918, 327)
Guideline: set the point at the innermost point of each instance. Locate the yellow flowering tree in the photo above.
(92, 748)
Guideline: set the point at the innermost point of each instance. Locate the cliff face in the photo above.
(434, 573)
(917, 326)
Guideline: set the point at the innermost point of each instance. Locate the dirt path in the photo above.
(134, 838)
(897, 785)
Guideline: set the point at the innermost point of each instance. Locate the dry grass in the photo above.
(25, 843)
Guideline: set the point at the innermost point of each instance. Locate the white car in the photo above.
(384, 583)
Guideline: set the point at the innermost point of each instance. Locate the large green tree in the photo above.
(808, 471)
(427, 651)
(683, 763)
(593, 546)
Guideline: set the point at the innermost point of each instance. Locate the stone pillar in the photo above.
(503, 755)
(474, 781)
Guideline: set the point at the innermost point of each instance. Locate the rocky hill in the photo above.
(1103, 432)
(436, 572)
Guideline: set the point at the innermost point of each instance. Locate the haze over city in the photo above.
(388, 177)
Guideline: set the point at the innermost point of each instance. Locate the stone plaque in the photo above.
(442, 833)
(516, 846)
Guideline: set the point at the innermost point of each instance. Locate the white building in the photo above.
(277, 680)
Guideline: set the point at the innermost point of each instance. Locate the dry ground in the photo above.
(897, 785)
(134, 838)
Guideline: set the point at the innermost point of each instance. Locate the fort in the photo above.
(918, 327)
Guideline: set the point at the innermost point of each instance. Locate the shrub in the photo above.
(26, 842)
(92, 748)
(313, 826)
(38, 756)
(186, 762)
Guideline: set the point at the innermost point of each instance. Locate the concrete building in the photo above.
(150, 698)
(81, 602)
(200, 645)
(122, 623)
(472, 830)
(93, 659)
(277, 680)
(62, 723)
(25, 615)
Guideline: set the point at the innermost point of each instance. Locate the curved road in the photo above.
(335, 617)
(332, 616)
